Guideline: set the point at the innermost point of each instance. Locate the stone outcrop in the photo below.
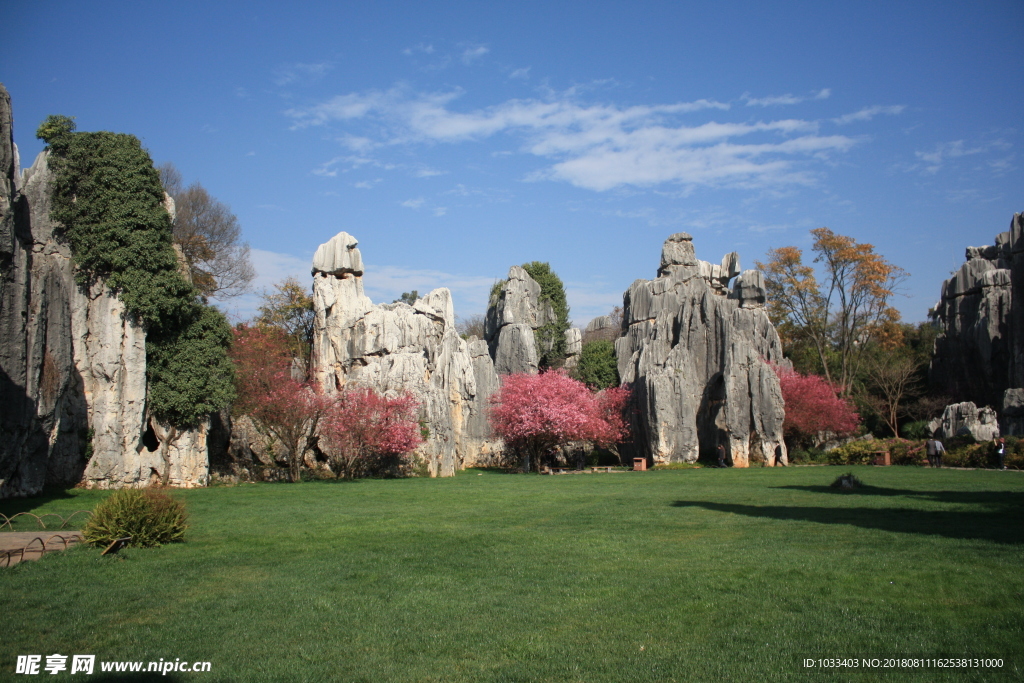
(72, 364)
(697, 355)
(979, 355)
(513, 315)
(963, 419)
(400, 347)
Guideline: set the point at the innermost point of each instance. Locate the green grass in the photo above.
(702, 574)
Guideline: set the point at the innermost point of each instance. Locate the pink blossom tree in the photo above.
(536, 413)
(361, 429)
(812, 406)
(279, 405)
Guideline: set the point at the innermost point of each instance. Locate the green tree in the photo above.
(550, 336)
(408, 297)
(597, 366)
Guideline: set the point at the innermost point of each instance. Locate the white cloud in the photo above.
(297, 72)
(470, 54)
(521, 74)
(427, 172)
(868, 113)
(777, 100)
(422, 48)
(599, 146)
(413, 203)
(439, 211)
(944, 151)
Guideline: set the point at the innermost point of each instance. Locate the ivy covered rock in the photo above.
(103, 345)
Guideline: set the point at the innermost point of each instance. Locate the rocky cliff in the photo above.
(979, 356)
(515, 313)
(696, 353)
(72, 364)
(400, 347)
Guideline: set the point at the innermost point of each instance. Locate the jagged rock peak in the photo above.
(698, 358)
(677, 251)
(338, 256)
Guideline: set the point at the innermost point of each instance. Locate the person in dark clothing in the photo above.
(1001, 452)
(935, 449)
(721, 455)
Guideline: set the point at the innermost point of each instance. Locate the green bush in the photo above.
(916, 430)
(597, 366)
(150, 517)
(805, 456)
(901, 452)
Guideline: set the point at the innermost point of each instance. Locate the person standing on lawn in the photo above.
(1001, 451)
(935, 449)
(721, 455)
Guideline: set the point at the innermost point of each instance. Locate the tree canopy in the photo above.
(837, 317)
(109, 204)
(208, 235)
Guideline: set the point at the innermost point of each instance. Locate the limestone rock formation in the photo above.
(697, 355)
(960, 419)
(573, 347)
(400, 347)
(979, 356)
(72, 364)
(515, 312)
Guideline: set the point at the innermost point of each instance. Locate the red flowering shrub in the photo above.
(812, 406)
(536, 413)
(362, 429)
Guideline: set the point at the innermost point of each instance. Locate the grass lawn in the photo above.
(700, 574)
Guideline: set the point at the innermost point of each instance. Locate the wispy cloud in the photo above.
(413, 203)
(943, 152)
(422, 48)
(598, 146)
(473, 53)
(778, 100)
(299, 73)
(520, 74)
(868, 113)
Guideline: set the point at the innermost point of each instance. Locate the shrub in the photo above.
(812, 407)
(150, 517)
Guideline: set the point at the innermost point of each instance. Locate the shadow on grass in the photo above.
(1001, 527)
(12, 506)
(997, 499)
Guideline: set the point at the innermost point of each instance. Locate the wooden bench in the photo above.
(595, 470)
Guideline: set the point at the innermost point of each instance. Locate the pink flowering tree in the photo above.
(536, 413)
(279, 405)
(812, 406)
(361, 430)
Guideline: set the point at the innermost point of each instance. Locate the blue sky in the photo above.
(456, 139)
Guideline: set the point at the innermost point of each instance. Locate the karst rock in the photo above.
(72, 363)
(697, 355)
(399, 347)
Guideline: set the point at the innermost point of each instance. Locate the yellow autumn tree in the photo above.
(837, 316)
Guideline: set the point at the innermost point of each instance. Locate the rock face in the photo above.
(961, 419)
(696, 354)
(397, 347)
(511, 319)
(979, 355)
(72, 365)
